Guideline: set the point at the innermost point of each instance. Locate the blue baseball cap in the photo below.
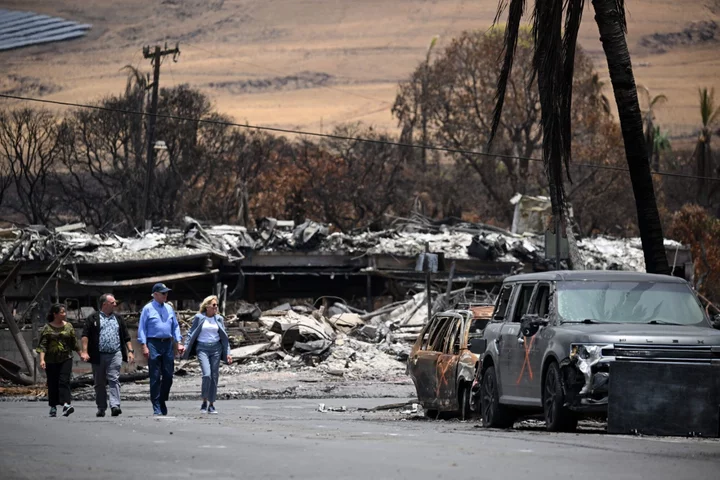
(160, 287)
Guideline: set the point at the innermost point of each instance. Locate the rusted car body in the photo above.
(445, 358)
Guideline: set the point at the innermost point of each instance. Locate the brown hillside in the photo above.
(311, 64)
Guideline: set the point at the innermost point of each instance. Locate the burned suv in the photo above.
(444, 360)
(553, 335)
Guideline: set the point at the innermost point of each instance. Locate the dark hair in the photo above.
(55, 309)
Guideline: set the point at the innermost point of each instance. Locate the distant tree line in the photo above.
(89, 165)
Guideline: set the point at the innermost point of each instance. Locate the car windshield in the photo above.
(628, 302)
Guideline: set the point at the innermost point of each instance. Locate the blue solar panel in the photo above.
(30, 23)
(12, 17)
(10, 44)
(38, 29)
(21, 29)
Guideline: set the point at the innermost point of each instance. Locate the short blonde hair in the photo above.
(206, 302)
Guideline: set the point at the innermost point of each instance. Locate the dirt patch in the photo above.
(275, 84)
(27, 86)
(696, 33)
(714, 6)
(186, 9)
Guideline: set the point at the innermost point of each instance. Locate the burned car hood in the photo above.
(640, 333)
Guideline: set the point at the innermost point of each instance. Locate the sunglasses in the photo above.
(213, 305)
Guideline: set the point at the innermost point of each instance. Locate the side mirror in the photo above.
(716, 321)
(531, 323)
(477, 345)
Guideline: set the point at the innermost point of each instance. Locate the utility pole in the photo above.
(155, 59)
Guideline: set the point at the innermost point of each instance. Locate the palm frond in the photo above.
(707, 101)
(658, 99)
(573, 17)
(713, 113)
(512, 31)
(548, 63)
(714, 117)
(643, 93)
(502, 6)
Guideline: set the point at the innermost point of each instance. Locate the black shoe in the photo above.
(67, 410)
(53, 411)
(203, 407)
(163, 408)
(100, 413)
(115, 411)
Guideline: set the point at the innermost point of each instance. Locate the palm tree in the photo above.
(660, 142)
(554, 58)
(652, 132)
(703, 156)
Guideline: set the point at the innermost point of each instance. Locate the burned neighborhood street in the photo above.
(338, 240)
(291, 439)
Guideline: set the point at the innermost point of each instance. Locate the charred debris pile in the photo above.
(334, 338)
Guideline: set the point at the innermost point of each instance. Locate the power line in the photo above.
(336, 137)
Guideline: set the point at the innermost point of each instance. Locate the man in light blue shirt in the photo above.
(157, 330)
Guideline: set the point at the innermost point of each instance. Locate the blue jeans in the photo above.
(161, 365)
(209, 355)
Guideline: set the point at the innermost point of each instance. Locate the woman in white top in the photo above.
(209, 340)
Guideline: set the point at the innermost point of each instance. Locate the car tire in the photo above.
(464, 398)
(432, 414)
(494, 415)
(558, 418)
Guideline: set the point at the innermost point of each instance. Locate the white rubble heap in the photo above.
(599, 253)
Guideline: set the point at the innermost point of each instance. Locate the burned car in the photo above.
(444, 360)
(554, 335)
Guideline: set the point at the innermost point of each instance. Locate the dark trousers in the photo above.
(161, 365)
(58, 382)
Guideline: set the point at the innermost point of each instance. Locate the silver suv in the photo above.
(553, 335)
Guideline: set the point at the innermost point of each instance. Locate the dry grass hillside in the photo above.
(311, 64)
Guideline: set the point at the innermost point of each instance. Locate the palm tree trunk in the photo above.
(610, 21)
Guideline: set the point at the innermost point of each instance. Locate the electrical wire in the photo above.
(337, 137)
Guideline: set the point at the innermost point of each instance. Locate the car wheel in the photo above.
(494, 415)
(465, 412)
(557, 417)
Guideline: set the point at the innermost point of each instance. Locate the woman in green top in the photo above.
(57, 342)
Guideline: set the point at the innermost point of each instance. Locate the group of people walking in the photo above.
(106, 344)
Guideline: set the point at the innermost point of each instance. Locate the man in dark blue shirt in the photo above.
(157, 331)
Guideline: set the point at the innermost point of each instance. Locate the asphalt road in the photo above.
(291, 439)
